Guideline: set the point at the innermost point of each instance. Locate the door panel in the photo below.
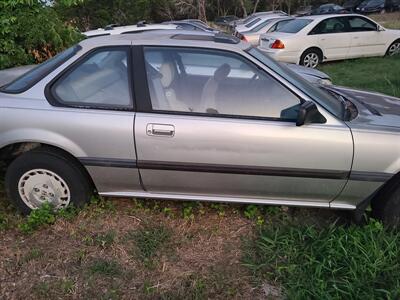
(247, 158)
(335, 45)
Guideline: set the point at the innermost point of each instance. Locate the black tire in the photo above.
(308, 54)
(394, 44)
(79, 187)
(387, 206)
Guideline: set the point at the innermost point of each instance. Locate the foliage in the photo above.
(44, 215)
(31, 32)
(337, 262)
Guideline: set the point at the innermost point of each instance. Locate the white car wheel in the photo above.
(310, 59)
(394, 49)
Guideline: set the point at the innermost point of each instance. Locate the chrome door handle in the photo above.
(160, 130)
(356, 37)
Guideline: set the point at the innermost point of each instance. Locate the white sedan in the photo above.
(313, 39)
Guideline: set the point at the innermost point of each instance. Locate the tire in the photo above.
(311, 58)
(44, 175)
(394, 49)
(387, 207)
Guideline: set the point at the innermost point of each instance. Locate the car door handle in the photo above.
(356, 37)
(160, 129)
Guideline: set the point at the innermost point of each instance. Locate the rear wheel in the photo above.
(394, 48)
(43, 175)
(311, 58)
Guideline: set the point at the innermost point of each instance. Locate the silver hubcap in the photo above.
(39, 186)
(394, 49)
(311, 60)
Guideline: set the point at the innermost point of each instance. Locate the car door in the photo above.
(333, 38)
(214, 124)
(366, 40)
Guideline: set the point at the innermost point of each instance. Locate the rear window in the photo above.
(295, 26)
(261, 25)
(248, 25)
(33, 76)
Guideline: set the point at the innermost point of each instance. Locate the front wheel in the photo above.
(43, 175)
(310, 58)
(394, 48)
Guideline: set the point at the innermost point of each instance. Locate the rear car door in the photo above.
(366, 40)
(214, 124)
(333, 38)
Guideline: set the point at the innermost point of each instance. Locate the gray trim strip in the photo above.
(236, 169)
(370, 176)
(108, 162)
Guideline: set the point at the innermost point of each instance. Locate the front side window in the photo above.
(361, 24)
(214, 82)
(101, 80)
(331, 25)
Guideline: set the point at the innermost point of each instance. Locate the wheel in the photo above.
(44, 175)
(394, 49)
(387, 207)
(311, 58)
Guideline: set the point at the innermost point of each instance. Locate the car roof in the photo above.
(167, 38)
(322, 17)
(121, 29)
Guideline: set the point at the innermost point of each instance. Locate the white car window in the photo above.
(100, 81)
(361, 24)
(331, 25)
(214, 82)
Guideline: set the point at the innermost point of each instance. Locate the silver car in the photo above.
(177, 115)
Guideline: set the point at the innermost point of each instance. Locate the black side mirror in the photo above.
(309, 114)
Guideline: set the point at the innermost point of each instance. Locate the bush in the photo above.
(31, 32)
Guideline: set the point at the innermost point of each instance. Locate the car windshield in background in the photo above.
(248, 25)
(295, 26)
(319, 95)
(30, 78)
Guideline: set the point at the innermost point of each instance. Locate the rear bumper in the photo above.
(282, 55)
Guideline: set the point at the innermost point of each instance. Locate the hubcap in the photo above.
(394, 49)
(38, 186)
(311, 60)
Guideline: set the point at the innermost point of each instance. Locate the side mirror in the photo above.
(308, 114)
(380, 28)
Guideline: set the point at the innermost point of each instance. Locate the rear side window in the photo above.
(27, 80)
(100, 81)
(332, 25)
(295, 26)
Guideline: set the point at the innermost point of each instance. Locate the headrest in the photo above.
(222, 72)
(168, 74)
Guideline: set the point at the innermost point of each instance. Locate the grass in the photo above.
(335, 262)
(374, 74)
(105, 267)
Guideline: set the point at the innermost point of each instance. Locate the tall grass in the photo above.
(336, 262)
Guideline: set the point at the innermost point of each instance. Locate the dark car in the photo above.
(225, 20)
(377, 6)
(330, 8)
(351, 5)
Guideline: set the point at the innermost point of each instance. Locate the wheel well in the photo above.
(316, 49)
(11, 152)
(386, 189)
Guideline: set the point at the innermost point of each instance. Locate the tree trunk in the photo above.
(243, 8)
(202, 10)
(255, 6)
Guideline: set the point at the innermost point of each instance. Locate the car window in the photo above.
(248, 25)
(214, 82)
(261, 25)
(101, 80)
(295, 26)
(361, 24)
(331, 25)
(28, 79)
(279, 25)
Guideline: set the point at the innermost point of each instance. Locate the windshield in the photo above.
(320, 96)
(28, 79)
(261, 25)
(295, 26)
(248, 25)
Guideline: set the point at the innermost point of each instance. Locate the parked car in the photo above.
(303, 11)
(257, 21)
(351, 5)
(378, 6)
(314, 39)
(256, 15)
(225, 20)
(330, 8)
(115, 29)
(269, 25)
(175, 126)
(190, 25)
